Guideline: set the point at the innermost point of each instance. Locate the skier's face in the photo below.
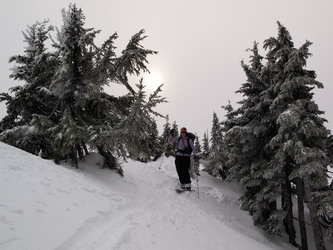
(183, 134)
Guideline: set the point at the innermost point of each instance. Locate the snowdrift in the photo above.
(47, 206)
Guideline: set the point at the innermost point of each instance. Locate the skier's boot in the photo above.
(187, 186)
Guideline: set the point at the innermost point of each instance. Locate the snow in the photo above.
(47, 206)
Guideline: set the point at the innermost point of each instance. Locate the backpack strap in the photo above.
(188, 143)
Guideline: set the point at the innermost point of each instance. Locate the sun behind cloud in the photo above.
(153, 80)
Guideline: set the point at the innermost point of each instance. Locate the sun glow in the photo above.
(153, 80)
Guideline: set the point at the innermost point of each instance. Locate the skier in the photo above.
(185, 148)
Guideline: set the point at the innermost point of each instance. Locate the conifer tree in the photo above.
(175, 127)
(248, 131)
(35, 68)
(216, 154)
(216, 137)
(168, 150)
(66, 88)
(205, 146)
(280, 118)
(166, 129)
(155, 145)
(74, 81)
(301, 139)
(197, 144)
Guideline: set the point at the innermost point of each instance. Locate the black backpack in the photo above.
(189, 149)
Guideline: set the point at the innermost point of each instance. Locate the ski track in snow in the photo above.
(58, 207)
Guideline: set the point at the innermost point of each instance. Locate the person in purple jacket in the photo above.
(183, 162)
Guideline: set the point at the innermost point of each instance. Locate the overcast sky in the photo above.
(200, 44)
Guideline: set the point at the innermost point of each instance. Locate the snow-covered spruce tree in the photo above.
(300, 144)
(242, 121)
(164, 137)
(216, 154)
(216, 137)
(277, 139)
(205, 146)
(173, 148)
(73, 84)
(197, 145)
(169, 149)
(155, 145)
(166, 130)
(175, 127)
(76, 84)
(248, 130)
(35, 69)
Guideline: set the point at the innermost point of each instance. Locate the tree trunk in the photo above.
(287, 206)
(75, 162)
(109, 160)
(79, 151)
(300, 201)
(317, 232)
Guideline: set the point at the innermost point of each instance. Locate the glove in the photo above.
(196, 158)
(172, 132)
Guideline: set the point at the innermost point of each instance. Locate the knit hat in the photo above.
(183, 130)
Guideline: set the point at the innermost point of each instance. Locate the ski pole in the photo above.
(161, 161)
(197, 176)
(198, 186)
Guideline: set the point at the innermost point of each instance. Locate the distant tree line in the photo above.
(62, 111)
(276, 144)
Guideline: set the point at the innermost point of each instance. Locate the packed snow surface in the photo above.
(47, 206)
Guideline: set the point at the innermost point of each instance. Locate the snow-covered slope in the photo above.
(46, 206)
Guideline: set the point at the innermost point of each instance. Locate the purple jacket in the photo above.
(182, 145)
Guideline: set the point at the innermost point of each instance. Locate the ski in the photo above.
(181, 190)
